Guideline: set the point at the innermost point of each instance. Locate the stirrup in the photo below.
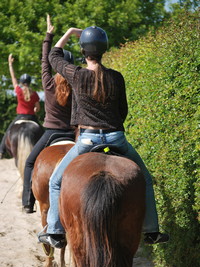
(54, 240)
(49, 239)
(152, 238)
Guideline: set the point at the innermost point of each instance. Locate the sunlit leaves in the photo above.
(23, 26)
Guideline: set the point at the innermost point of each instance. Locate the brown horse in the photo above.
(102, 206)
(43, 168)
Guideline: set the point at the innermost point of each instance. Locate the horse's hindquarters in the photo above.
(102, 207)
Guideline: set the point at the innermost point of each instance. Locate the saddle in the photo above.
(62, 141)
(61, 138)
(24, 120)
(108, 149)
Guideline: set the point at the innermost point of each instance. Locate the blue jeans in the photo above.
(84, 144)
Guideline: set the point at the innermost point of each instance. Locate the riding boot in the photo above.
(29, 208)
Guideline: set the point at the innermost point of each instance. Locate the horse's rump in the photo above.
(102, 206)
(21, 138)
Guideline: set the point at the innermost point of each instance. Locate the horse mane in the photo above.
(101, 203)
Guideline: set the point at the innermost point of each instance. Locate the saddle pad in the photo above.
(21, 121)
(63, 143)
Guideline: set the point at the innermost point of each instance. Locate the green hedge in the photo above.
(162, 74)
(7, 110)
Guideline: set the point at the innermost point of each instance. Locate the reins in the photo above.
(9, 190)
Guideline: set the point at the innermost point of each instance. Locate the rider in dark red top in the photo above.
(26, 107)
(27, 101)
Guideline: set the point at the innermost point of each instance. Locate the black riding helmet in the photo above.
(68, 56)
(25, 78)
(94, 41)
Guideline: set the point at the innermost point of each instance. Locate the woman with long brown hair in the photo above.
(57, 114)
(99, 110)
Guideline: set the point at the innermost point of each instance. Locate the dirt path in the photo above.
(18, 231)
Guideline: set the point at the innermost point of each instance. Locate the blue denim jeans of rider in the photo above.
(84, 144)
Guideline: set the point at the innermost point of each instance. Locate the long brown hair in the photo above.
(100, 93)
(62, 90)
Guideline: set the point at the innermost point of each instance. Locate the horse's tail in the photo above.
(29, 133)
(24, 148)
(101, 201)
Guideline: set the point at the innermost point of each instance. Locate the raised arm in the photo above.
(46, 47)
(64, 39)
(12, 73)
(50, 27)
(56, 56)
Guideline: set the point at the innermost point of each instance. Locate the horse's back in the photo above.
(21, 133)
(102, 193)
(30, 128)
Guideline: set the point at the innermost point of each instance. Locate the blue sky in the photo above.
(168, 2)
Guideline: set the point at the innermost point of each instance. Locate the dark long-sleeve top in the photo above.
(56, 116)
(85, 109)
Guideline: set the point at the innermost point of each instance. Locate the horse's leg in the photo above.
(62, 257)
(49, 262)
(48, 250)
(44, 210)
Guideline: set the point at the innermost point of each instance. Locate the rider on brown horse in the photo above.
(27, 101)
(99, 108)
